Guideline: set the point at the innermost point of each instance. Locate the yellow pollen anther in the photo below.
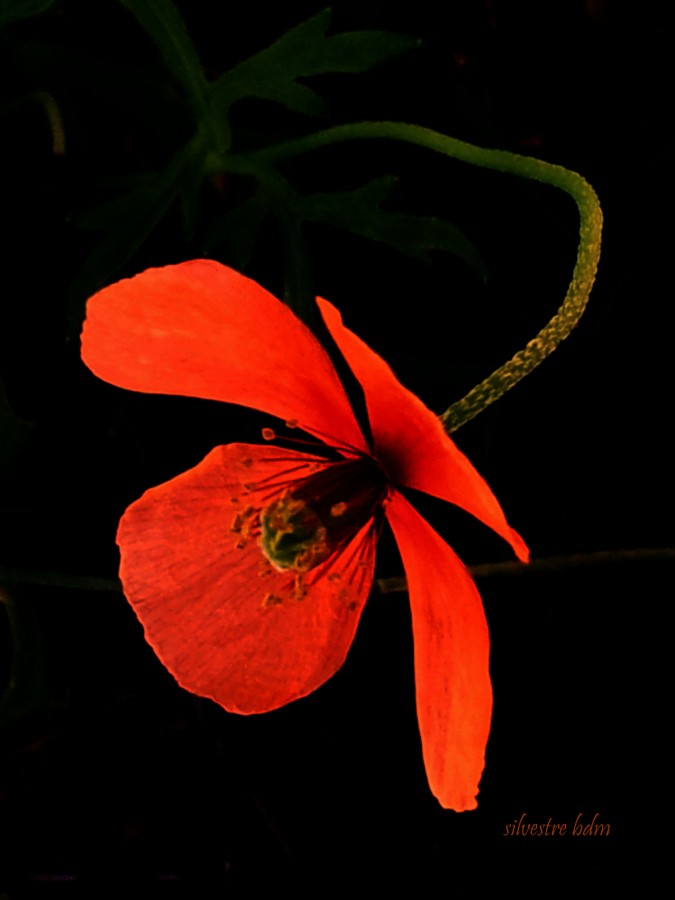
(291, 423)
(268, 434)
(338, 509)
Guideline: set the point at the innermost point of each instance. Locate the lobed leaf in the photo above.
(360, 212)
(303, 51)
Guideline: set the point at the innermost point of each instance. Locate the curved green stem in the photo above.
(583, 276)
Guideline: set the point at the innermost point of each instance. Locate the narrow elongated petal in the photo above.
(224, 622)
(200, 329)
(410, 440)
(454, 695)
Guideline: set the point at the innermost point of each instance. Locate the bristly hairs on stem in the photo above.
(588, 254)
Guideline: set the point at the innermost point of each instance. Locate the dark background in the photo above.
(118, 778)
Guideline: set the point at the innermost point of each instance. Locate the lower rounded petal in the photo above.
(452, 645)
(223, 621)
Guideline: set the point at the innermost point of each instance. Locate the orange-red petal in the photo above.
(223, 621)
(200, 329)
(454, 695)
(410, 440)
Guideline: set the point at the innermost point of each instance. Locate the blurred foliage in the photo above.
(13, 10)
(213, 155)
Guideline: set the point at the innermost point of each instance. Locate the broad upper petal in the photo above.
(410, 441)
(452, 680)
(200, 329)
(223, 621)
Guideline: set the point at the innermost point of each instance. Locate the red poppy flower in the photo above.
(250, 571)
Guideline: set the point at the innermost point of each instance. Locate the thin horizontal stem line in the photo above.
(10, 575)
(548, 564)
(14, 576)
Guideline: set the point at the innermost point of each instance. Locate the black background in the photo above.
(126, 780)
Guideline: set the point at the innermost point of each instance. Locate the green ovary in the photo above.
(292, 535)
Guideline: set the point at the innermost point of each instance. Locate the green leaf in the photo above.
(13, 10)
(303, 51)
(29, 688)
(162, 22)
(13, 431)
(360, 212)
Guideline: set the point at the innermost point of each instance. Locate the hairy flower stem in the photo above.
(588, 254)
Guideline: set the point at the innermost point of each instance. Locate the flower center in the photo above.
(321, 513)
